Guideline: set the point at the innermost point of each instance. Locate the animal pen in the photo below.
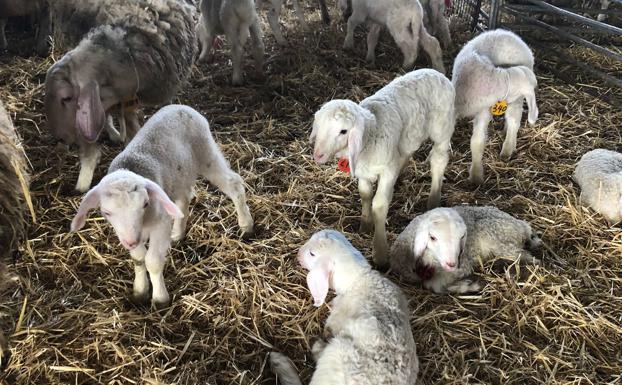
(64, 301)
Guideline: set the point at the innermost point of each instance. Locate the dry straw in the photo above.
(70, 320)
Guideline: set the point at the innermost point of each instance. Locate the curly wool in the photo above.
(599, 174)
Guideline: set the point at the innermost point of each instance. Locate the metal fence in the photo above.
(577, 40)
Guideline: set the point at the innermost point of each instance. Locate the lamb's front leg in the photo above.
(89, 157)
(439, 157)
(380, 208)
(355, 19)
(140, 292)
(366, 193)
(155, 260)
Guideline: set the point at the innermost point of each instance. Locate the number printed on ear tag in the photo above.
(499, 108)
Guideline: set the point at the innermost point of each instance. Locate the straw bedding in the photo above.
(70, 321)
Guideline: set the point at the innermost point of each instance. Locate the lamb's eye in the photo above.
(106, 213)
(66, 99)
(432, 238)
(343, 132)
(311, 254)
(145, 205)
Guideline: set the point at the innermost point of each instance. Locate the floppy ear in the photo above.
(421, 240)
(532, 117)
(313, 131)
(318, 281)
(90, 116)
(355, 142)
(157, 194)
(90, 201)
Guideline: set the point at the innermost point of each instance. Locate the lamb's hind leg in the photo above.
(230, 183)
(406, 39)
(258, 46)
(513, 116)
(179, 224)
(372, 41)
(478, 144)
(273, 19)
(432, 47)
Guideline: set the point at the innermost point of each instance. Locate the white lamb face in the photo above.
(125, 210)
(443, 237)
(330, 133)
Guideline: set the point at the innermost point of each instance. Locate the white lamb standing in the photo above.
(379, 136)
(599, 174)
(372, 341)
(493, 67)
(404, 20)
(149, 186)
(440, 248)
(237, 19)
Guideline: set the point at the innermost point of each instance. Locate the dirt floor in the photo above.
(70, 321)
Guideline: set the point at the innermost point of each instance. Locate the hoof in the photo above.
(140, 299)
(160, 305)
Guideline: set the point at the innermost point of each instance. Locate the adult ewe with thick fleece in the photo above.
(379, 137)
(440, 247)
(496, 66)
(599, 174)
(151, 183)
(144, 56)
(372, 342)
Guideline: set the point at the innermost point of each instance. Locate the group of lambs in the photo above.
(144, 52)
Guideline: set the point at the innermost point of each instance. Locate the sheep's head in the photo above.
(338, 129)
(332, 262)
(442, 233)
(125, 199)
(86, 82)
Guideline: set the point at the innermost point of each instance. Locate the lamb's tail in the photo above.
(284, 369)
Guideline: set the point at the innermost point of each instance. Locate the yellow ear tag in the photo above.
(499, 108)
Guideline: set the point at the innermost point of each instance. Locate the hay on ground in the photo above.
(233, 300)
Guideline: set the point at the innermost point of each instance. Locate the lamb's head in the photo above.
(442, 233)
(332, 262)
(126, 199)
(86, 82)
(338, 129)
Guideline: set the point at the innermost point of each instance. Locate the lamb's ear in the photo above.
(318, 281)
(157, 194)
(90, 116)
(421, 240)
(355, 142)
(90, 201)
(313, 131)
(532, 117)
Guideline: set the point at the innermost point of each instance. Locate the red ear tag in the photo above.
(217, 43)
(448, 3)
(343, 165)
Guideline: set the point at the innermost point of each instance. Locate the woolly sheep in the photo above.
(404, 20)
(145, 56)
(372, 342)
(14, 181)
(435, 21)
(599, 174)
(380, 135)
(235, 18)
(494, 66)
(440, 247)
(151, 181)
(39, 8)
